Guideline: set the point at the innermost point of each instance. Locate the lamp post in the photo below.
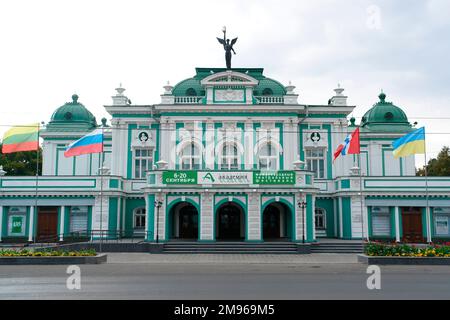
(158, 204)
(302, 205)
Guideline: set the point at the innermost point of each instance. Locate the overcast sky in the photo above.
(52, 49)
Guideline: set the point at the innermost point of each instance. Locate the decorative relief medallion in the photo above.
(229, 95)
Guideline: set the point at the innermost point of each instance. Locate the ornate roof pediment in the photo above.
(229, 78)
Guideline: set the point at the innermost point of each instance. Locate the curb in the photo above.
(429, 261)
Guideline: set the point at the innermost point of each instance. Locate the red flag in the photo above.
(350, 145)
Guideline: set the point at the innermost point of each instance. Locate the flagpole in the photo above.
(102, 158)
(361, 200)
(36, 189)
(427, 210)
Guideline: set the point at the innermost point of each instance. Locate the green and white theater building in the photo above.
(226, 155)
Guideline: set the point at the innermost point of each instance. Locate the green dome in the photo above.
(386, 117)
(72, 114)
(269, 86)
(188, 87)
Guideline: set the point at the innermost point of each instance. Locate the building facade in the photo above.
(228, 154)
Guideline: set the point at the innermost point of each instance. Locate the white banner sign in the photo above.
(224, 177)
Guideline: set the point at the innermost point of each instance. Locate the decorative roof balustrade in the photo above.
(270, 99)
(188, 100)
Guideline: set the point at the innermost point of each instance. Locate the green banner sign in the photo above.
(229, 177)
(274, 177)
(180, 177)
(17, 225)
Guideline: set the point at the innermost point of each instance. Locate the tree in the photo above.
(21, 163)
(438, 167)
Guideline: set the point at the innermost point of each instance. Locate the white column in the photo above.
(147, 212)
(124, 148)
(61, 223)
(207, 217)
(31, 229)
(209, 145)
(254, 217)
(428, 216)
(290, 141)
(397, 224)
(1, 222)
(115, 152)
(299, 223)
(249, 145)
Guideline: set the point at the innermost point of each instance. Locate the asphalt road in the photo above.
(140, 280)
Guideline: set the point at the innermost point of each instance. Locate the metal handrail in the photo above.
(90, 236)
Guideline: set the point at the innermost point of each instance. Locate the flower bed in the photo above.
(50, 257)
(396, 250)
(47, 253)
(402, 254)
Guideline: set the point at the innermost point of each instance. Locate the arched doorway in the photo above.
(230, 222)
(277, 222)
(184, 221)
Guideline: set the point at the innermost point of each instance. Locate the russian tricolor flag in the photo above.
(91, 143)
(350, 145)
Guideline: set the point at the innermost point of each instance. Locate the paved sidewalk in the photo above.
(317, 258)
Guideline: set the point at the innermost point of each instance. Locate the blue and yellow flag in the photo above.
(412, 143)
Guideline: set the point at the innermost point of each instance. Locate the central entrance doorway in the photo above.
(184, 221)
(47, 227)
(412, 224)
(230, 222)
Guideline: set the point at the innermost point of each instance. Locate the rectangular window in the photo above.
(143, 162)
(79, 219)
(381, 222)
(17, 219)
(315, 161)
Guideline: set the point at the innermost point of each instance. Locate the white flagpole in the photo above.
(102, 159)
(361, 199)
(35, 213)
(427, 210)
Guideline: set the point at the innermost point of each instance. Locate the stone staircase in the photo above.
(232, 247)
(337, 247)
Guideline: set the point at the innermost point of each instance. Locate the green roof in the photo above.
(192, 86)
(385, 117)
(73, 115)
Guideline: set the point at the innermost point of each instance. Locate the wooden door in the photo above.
(188, 222)
(229, 222)
(47, 224)
(412, 225)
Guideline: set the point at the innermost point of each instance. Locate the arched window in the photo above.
(268, 158)
(191, 92)
(139, 218)
(267, 92)
(229, 157)
(191, 157)
(320, 219)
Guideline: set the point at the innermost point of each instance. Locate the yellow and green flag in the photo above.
(21, 138)
(412, 143)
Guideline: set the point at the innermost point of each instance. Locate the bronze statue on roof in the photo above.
(227, 46)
